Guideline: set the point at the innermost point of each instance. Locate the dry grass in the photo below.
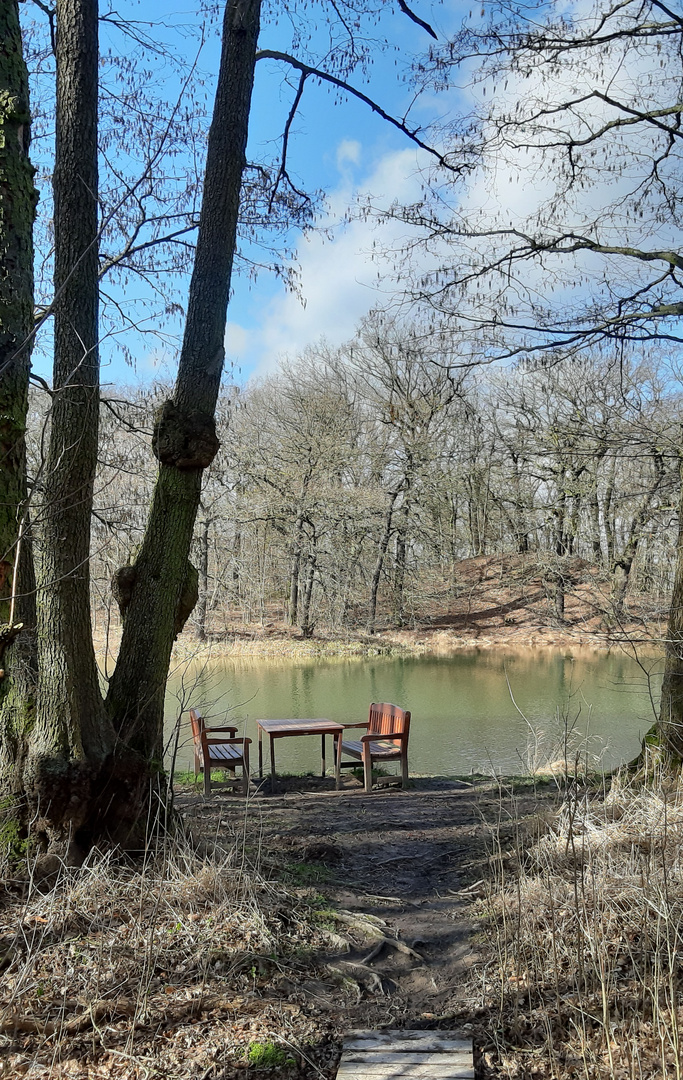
(586, 924)
(171, 968)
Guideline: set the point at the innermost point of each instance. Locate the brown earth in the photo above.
(497, 600)
(397, 873)
(312, 913)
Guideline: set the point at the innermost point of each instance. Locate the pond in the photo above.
(480, 710)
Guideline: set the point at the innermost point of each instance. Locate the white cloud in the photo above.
(236, 339)
(340, 280)
(348, 152)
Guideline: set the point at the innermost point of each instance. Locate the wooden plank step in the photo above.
(427, 1045)
(414, 1057)
(403, 1035)
(405, 1055)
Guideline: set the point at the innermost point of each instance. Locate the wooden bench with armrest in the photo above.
(226, 752)
(386, 739)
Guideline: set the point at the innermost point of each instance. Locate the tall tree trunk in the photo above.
(203, 569)
(608, 513)
(574, 521)
(348, 582)
(518, 517)
(185, 442)
(236, 559)
(623, 562)
(452, 539)
(17, 211)
(400, 566)
(379, 563)
(72, 737)
(558, 516)
(295, 571)
(307, 627)
(670, 726)
(594, 509)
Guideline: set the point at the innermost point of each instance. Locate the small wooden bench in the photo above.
(405, 1055)
(388, 728)
(219, 753)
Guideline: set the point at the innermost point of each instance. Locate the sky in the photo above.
(337, 145)
(342, 147)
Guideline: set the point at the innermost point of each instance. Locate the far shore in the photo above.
(278, 642)
(500, 603)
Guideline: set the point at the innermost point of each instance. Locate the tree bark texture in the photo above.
(71, 720)
(185, 440)
(17, 211)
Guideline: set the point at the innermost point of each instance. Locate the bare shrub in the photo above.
(587, 933)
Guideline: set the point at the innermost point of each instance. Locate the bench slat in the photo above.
(382, 749)
(225, 753)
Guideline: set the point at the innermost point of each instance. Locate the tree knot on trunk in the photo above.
(185, 440)
(7, 635)
(188, 598)
(122, 584)
(60, 795)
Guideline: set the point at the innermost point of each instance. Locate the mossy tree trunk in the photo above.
(90, 765)
(163, 586)
(72, 739)
(17, 597)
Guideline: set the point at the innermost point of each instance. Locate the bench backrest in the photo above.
(198, 729)
(387, 720)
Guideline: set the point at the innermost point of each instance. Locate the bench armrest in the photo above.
(230, 730)
(362, 723)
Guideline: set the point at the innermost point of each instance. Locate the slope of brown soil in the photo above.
(498, 600)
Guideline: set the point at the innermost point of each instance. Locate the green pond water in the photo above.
(463, 714)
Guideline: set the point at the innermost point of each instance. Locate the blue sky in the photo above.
(338, 145)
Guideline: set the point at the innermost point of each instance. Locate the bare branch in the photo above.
(416, 19)
(51, 13)
(282, 172)
(325, 76)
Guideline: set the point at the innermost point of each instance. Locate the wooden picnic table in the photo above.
(281, 729)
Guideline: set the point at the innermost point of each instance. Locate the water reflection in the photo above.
(478, 710)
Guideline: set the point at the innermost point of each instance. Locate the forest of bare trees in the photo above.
(351, 483)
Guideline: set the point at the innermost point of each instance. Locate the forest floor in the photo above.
(312, 914)
(498, 600)
(540, 918)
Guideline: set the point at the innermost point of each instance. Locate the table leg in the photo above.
(272, 764)
(260, 753)
(323, 766)
(337, 761)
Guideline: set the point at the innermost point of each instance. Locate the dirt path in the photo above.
(399, 865)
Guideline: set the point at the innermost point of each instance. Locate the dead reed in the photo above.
(586, 921)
